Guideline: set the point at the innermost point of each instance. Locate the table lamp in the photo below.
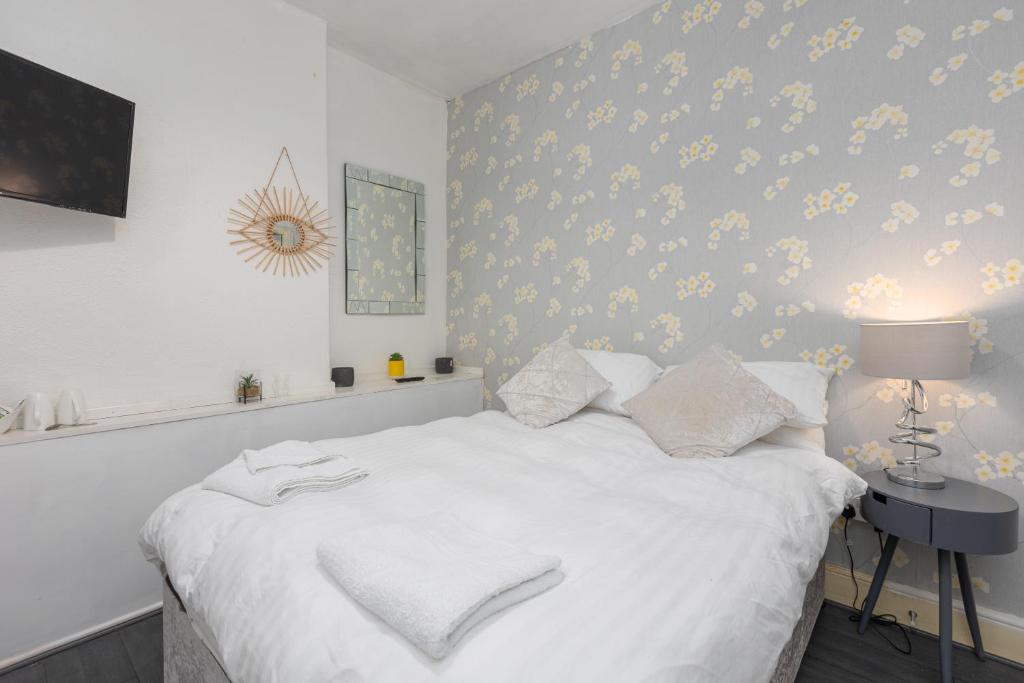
(913, 351)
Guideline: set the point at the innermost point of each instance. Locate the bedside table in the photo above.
(961, 518)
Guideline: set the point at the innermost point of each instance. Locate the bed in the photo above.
(694, 570)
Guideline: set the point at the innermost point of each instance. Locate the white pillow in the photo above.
(809, 439)
(629, 374)
(804, 384)
(557, 383)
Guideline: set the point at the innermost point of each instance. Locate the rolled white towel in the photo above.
(278, 484)
(285, 453)
(435, 579)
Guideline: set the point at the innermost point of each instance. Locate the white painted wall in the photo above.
(378, 121)
(157, 306)
(71, 508)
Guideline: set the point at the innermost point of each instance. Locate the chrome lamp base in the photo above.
(914, 476)
(909, 472)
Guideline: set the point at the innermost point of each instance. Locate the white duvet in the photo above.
(676, 570)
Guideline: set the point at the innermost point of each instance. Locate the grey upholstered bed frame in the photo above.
(188, 660)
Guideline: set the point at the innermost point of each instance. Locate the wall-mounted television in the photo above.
(62, 142)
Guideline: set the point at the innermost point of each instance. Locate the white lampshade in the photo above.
(927, 350)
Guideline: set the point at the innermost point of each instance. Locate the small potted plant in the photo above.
(396, 365)
(249, 389)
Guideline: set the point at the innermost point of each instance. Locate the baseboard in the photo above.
(35, 654)
(1001, 633)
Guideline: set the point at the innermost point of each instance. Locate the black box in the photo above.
(343, 377)
(444, 365)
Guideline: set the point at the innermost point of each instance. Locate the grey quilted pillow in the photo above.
(557, 383)
(709, 406)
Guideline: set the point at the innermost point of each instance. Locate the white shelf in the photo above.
(365, 384)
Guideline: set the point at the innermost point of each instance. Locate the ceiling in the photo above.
(450, 47)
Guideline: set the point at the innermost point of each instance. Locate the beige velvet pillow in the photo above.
(557, 383)
(710, 406)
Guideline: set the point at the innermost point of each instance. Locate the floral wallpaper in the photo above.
(765, 175)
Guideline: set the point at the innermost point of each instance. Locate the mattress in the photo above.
(675, 569)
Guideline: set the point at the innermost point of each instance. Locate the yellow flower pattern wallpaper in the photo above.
(765, 175)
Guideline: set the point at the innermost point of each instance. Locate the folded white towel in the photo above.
(278, 484)
(286, 453)
(435, 579)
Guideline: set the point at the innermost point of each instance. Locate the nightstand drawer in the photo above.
(905, 520)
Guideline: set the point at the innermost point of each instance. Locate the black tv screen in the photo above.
(62, 142)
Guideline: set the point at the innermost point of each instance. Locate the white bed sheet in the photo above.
(676, 570)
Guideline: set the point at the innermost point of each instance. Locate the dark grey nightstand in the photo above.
(961, 518)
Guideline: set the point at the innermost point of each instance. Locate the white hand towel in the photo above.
(278, 484)
(435, 579)
(286, 453)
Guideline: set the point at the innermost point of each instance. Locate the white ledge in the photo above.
(365, 384)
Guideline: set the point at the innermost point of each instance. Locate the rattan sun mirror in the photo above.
(278, 230)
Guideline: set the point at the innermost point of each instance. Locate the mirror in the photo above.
(385, 228)
(286, 234)
(279, 229)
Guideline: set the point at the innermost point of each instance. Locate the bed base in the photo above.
(188, 660)
(186, 657)
(791, 656)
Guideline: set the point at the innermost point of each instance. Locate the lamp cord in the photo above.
(876, 620)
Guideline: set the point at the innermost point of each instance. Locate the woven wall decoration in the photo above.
(279, 230)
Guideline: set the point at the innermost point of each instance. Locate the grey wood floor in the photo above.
(836, 655)
(130, 654)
